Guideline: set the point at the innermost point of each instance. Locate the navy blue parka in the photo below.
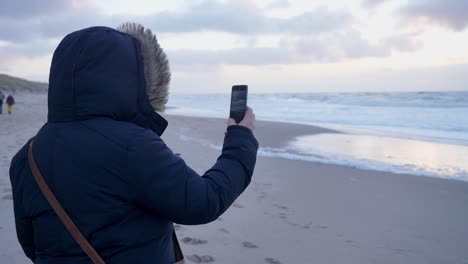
(101, 154)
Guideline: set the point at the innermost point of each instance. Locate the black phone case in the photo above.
(238, 116)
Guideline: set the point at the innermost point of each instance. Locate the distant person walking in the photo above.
(1, 101)
(10, 102)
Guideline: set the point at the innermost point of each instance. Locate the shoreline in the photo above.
(278, 145)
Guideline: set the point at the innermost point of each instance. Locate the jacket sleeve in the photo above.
(166, 186)
(23, 223)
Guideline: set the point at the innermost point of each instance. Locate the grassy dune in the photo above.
(12, 84)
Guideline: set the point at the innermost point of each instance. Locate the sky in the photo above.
(272, 45)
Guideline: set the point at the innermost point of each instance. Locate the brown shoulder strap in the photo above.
(177, 250)
(66, 220)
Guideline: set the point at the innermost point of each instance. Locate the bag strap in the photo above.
(66, 220)
(71, 227)
(177, 250)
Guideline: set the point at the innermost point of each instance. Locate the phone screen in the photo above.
(238, 102)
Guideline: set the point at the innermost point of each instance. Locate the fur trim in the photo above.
(156, 64)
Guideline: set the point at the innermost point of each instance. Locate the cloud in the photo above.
(50, 20)
(63, 24)
(403, 42)
(318, 35)
(372, 3)
(278, 4)
(309, 49)
(350, 44)
(330, 47)
(239, 56)
(39, 30)
(448, 13)
(237, 17)
(25, 9)
(13, 29)
(33, 48)
(279, 79)
(438, 78)
(231, 16)
(317, 21)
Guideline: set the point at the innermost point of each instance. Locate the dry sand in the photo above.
(293, 211)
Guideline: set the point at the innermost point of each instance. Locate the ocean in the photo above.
(420, 133)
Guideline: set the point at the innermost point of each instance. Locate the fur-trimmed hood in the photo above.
(102, 72)
(156, 65)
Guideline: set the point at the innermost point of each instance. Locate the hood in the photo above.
(101, 72)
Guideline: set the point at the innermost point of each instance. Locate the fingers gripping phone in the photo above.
(238, 102)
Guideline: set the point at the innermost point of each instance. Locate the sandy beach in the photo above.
(293, 211)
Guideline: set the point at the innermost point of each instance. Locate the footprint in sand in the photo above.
(224, 230)
(201, 259)
(282, 207)
(238, 205)
(321, 226)
(351, 243)
(261, 196)
(8, 197)
(193, 241)
(247, 244)
(272, 261)
(283, 216)
(307, 226)
(291, 223)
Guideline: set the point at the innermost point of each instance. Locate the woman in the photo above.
(101, 154)
(10, 102)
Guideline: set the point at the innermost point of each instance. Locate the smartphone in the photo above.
(238, 102)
